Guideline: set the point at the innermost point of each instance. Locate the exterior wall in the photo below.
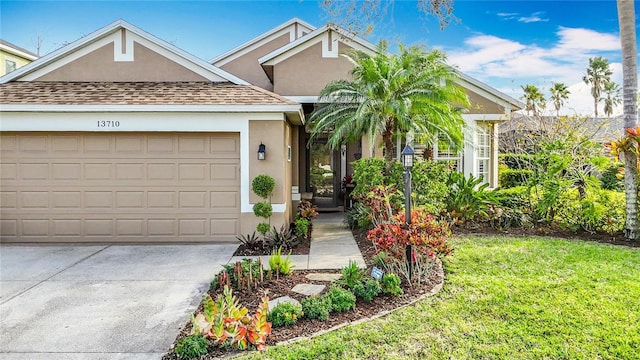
(307, 73)
(4, 55)
(247, 67)
(482, 105)
(99, 65)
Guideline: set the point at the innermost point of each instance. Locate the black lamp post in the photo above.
(407, 162)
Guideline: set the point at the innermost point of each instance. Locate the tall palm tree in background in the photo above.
(627, 21)
(534, 100)
(612, 97)
(392, 94)
(598, 74)
(559, 93)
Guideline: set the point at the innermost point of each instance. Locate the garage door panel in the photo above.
(112, 187)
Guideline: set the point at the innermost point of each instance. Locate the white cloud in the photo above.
(503, 62)
(535, 17)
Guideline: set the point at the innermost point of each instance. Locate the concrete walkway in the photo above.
(100, 302)
(332, 246)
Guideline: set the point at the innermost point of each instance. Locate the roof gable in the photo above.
(123, 39)
(295, 28)
(329, 35)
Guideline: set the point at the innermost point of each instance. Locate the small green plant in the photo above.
(193, 346)
(302, 228)
(285, 314)
(351, 275)
(279, 264)
(367, 289)
(341, 299)
(380, 259)
(390, 284)
(316, 307)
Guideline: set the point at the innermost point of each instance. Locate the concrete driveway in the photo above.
(100, 302)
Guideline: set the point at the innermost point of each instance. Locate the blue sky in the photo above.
(506, 44)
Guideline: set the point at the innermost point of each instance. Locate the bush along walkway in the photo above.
(332, 246)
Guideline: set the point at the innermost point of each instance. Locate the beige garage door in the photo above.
(120, 187)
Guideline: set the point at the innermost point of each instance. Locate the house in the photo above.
(13, 57)
(122, 137)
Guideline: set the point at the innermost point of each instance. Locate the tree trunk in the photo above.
(626, 20)
(387, 139)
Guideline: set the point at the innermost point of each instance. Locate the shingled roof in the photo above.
(136, 93)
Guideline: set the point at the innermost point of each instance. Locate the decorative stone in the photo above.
(283, 299)
(308, 289)
(323, 277)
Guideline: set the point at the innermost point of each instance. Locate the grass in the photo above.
(506, 298)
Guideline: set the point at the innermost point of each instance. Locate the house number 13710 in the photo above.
(108, 124)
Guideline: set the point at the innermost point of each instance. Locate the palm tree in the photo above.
(598, 74)
(612, 97)
(392, 94)
(534, 100)
(627, 21)
(559, 93)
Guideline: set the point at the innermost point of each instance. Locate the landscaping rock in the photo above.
(324, 277)
(308, 289)
(283, 299)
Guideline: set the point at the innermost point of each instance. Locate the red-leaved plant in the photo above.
(425, 234)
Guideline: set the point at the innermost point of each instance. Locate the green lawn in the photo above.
(506, 298)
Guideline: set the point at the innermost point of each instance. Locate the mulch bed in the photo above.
(305, 327)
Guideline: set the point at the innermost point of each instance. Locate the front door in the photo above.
(324, 174)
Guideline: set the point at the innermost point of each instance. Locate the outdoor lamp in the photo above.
(407, 157)
(261, 151)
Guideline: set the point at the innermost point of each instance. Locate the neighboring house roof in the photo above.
(599, 129)
(298, 25)
(211, 72)
(136, 93)
(17, 50)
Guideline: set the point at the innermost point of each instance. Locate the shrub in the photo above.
(250, 241)
(341, 299)
(263, 209)
(516, 161)
(283, 238)
(390, 284)
(367, 289)
(316, 307)
(509, 178)
(227, 323)
(306, 210)
(263, 185)
(514, 198)
(359, 216)
(192, 346)
(234, 273)
(429, 184)
(351, 275)
(425, 234)
(285, 314)
(611, 179)
(469, 198)
(302, 228)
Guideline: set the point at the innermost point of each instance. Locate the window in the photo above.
(483, 151)
(443, 151)
(9, 65)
